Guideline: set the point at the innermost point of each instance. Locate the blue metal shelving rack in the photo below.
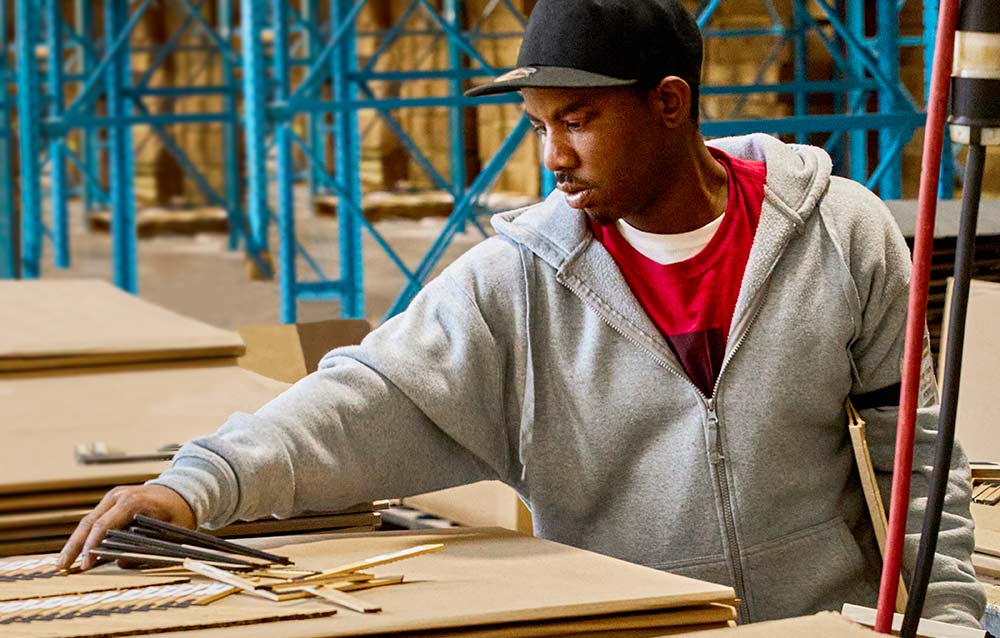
(8, 234)
(303, 87)
(85, 86)
(273, 104)
(863, 66)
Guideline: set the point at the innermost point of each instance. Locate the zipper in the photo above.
(716, 456)
(718, 459)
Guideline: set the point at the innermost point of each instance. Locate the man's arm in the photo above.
(416, 407)
(882, 279)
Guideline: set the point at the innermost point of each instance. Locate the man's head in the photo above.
(605, 43)
(611, 85)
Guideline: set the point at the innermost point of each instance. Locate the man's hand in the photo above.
(116, 510)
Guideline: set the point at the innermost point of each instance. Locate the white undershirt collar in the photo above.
(672, 248)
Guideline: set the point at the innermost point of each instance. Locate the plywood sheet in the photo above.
(50, 500)
(637, 625)
(270, 527)
(824, 625)
(987, 519)
(60, 323)
(482, 578)
(51, 517)
(978, 407)
(47, 414)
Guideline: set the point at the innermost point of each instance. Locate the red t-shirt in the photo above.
(691, 302)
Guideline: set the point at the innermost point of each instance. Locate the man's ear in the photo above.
(673, 99)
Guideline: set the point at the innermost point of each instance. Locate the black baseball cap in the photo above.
(603, 43)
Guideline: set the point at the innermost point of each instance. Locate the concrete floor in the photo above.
(199, 277)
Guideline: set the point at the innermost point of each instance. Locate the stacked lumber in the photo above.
(100, 388)
(481, 583)
(156, 221)
(986, 514)
(417, 205)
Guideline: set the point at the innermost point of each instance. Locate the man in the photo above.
(656, 358)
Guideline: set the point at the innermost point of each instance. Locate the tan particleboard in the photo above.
(37, 532)
(636, 625)
(483, 577)
(47, 414)
(50, 500)
(61, 323)
(978, 409)
(823, 625)
(51, 517)
(987, 519)
(314, 523)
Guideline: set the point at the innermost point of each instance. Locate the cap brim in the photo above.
(550, 77)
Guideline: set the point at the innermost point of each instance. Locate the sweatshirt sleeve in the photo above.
(882, 279)
(416, 407)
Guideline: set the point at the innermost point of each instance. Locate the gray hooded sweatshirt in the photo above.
(529, 360)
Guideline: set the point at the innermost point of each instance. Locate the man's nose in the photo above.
(557, 154)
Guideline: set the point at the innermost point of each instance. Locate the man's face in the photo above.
(605, 146)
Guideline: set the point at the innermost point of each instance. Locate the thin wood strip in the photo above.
(233, 580)
(343, 599)
(374, 561)
(869, 485)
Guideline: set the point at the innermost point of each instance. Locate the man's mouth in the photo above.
(577, 195)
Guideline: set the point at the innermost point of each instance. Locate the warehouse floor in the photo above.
(199, 277)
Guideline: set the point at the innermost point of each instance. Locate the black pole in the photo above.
(964, 253)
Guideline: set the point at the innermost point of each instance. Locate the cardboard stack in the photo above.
(84, 364)
(483, 583)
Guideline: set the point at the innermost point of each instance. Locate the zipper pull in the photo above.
(714, 444)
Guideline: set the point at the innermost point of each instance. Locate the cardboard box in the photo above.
(483, 504)
(289, 352)
(978, 408)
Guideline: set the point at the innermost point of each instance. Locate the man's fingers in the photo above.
(75, 543)
(116, 510)
(117, 517)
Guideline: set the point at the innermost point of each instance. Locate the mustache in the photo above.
(564, 178)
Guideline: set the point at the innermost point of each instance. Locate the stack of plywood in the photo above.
(83, 363)
(483, 583)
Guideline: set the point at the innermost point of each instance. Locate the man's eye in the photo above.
(574, 126)
(539, 130)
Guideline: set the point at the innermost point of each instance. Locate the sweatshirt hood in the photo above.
(797, 176)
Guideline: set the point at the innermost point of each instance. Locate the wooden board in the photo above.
(315, 523)
(823, 625)
(61, 323)
(50, 500)
(482, 578)
(987, 519)
(51, 517)
(310, 522)
(47, 414)
(978, 408)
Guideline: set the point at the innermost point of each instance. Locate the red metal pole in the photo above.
(937, 106)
